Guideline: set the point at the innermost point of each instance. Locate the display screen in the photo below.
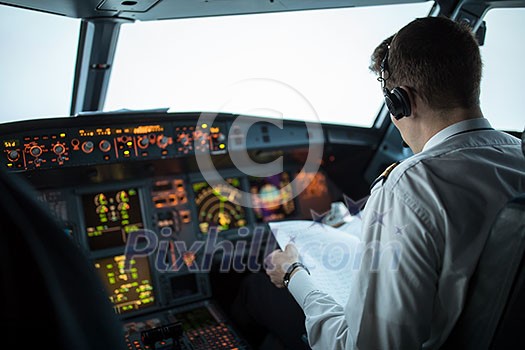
(184, 286)
(272, 199)
(316, 185)
(316, 196)
(216, 206)
(196, 319)
(128, 289)
(111, 216)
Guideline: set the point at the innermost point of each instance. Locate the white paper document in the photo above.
(328, 253)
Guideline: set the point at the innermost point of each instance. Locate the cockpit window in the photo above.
(297, 65)
(503, 75)
(37, 64)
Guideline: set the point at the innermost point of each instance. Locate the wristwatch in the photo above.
(290, 270)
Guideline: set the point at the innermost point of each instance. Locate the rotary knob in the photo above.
(144, 142)
(88, 147)
(162, 141)
(183, 139)
(35, 151)
(59, 149)
(13, 156)
(104, 145)
(201, 138)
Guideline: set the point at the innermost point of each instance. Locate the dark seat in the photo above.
(51, 295)
(494, 314)
(510, 331)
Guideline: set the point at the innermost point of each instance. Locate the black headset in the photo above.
(397, 100)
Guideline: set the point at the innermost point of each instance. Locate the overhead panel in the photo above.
(150, 10)
(126, 5)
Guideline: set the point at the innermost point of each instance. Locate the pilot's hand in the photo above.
(279, 261)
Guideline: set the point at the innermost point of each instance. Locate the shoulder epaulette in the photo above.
(384, 174)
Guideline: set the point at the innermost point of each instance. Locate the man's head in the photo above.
(437, 63)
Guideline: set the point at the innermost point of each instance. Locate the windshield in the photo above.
(296, 65)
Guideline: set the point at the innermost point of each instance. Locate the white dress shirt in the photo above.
(430, 219)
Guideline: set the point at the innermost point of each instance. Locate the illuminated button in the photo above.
(88, 147)
(13, 156)
(62, 135)
(104, 146)
(35, 151)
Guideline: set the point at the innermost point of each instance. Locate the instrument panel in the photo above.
(149, 239)
(108, 139)
(85, 146)
(148, 234)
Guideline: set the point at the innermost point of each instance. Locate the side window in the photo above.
(37, 64)
(503, 72)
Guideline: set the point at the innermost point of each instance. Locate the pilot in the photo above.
(437, 206)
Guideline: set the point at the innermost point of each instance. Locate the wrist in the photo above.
(292, 269)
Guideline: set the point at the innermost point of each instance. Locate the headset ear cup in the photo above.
(397, 102)
(390, 104)
(403, 102)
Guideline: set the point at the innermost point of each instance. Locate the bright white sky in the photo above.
(294, 64)
(37, 63)
(305, 65)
